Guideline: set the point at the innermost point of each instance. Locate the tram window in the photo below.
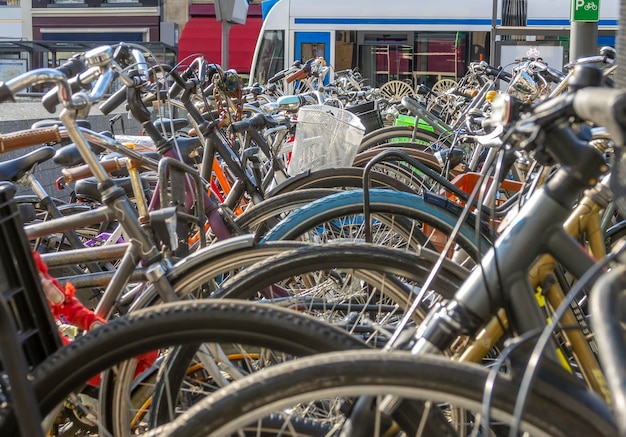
(345, 50)
(439, 55)
(310, 50)
(479, 47)
(271, 55)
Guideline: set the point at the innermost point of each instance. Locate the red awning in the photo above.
(203, 35)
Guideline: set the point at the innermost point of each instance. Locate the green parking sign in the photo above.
(585, 10)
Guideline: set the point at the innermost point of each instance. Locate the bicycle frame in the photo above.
(118, 206)
(502, 280)
(584, 220)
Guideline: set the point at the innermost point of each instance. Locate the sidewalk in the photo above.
(21, 115)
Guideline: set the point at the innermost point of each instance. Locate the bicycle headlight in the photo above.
(505, 109)
(501, 109)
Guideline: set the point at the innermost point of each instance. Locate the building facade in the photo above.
(43, 33)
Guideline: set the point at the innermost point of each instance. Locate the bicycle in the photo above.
(500, 281)
(54, 373)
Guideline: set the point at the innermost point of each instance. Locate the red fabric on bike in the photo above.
(70, 308)
(65, 306)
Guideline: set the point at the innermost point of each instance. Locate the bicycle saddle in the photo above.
(187, 145)
(14, 169)
(69, 156)
(47, 123)
(167, 124)
(86, 190)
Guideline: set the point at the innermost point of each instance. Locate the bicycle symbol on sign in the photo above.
(591, 6)
(533, 52)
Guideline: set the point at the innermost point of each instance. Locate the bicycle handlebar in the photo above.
(72, 68)
(498, 73)
(298, 75)
(601, 106)
(278, 76)
(134, 57)
(116, 99)
(10, 88)
(257, 122)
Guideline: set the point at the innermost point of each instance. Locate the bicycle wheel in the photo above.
(399, 219)
(394, 90)
(402, 170)
(261, 217)
(368, 290)
(325, 387)
(362, 289)
(338, 178)
(228, 322)
(421, 138)
(347, 279)
(199, 275)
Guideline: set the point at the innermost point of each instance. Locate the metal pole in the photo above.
(620, 75)
(583, 39)
(494, 25)
(225, 31)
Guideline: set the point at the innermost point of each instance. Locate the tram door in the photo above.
(312, 45)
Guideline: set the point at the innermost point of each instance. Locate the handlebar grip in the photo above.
(116, 99)
(51, 99)
(178, 85)
(83, 171)
(277, 77)
(499, 73)
(604, 107)
(240, 126)
(298, 75)
(72, 67)
(470, 94)
(29, 137)
(257, 121)
(553, 75)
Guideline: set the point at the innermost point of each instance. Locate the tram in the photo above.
(418, 41)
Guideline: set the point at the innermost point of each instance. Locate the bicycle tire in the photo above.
(373, 373)
(382, 202)
(69, 368)
(214, 264)
(382, 301)
(362, 158)
(364, 257)
(261, 217)
(338, 178)
(403, 171)
(388, 134)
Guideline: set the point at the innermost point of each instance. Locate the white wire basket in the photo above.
(326, 137)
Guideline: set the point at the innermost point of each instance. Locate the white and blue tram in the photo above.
(417, 40)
